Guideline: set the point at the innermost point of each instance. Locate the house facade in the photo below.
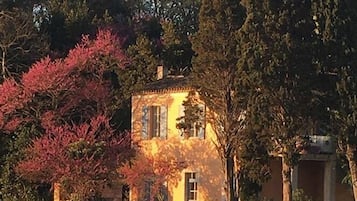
(155, 114)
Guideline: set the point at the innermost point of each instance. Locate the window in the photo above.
(148, 192)
(191, 121)
(154, 122)
(191, 186)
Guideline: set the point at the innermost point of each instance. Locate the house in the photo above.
(155, 113)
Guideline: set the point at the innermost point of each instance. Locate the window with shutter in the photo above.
(192, 121)
(154, 122)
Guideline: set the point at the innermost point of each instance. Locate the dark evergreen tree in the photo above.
(337, 20)
(144, 60)
(214, 74)
(276, 49)
(253, 154)
(176, 51)
(12, 186)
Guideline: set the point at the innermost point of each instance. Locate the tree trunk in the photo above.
(229, 178)
(3, 68)
(350, 154)
(286, 175)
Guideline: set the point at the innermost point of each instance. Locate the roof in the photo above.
(167, 84)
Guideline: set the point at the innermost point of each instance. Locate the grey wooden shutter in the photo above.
(201, 131)
(181, 114)
(145, 123)
(163, 122)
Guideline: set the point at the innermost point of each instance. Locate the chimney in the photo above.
(161, 72)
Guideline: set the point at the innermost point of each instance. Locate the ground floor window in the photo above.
(191, 186)
(149, 194)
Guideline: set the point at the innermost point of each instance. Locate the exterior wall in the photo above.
(272, 189)
(200, 154)
(311, 178)
(343, 192)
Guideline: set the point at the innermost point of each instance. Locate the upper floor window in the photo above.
(191, 121)
(191, 184)
(154, 122)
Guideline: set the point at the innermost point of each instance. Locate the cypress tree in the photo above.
(277, 58)
(214, 74)
(253, 155)
(338, 20)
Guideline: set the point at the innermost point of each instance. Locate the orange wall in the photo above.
(200, 154)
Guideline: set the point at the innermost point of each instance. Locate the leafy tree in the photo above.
(172, 23)
(143, 64)
(277, 56)
(214, 74)
(61, 94)
(81, 157)
(11, 4)
(13, 187)
(20, 43)
(177, 52)
(336, 20)
(151, 172)
(70, 19)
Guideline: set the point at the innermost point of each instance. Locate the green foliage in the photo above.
(13, 187)
(177, 52)
(82, 148)
(193, 117)
(70, 19)
(214, 74)
(142, 68)
(299, 195)
(280, 68)
(73, 18)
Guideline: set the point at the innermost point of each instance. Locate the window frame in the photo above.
(154, 122)
(191, 178)
(194, 131)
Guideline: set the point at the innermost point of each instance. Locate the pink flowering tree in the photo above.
(150, 174)
(70, 102)
(81, 157)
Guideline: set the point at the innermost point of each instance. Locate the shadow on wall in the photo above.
(200, 155)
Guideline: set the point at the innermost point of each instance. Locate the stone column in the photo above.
(330, 179)
(294, 178)
(56, 192)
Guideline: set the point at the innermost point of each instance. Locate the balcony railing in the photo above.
(318, 144)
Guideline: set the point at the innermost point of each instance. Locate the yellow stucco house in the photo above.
(154, 117)
(155, 111)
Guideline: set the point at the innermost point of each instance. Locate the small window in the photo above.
(148, 193)
(154, 122)
(191, 121)
(191, 183)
